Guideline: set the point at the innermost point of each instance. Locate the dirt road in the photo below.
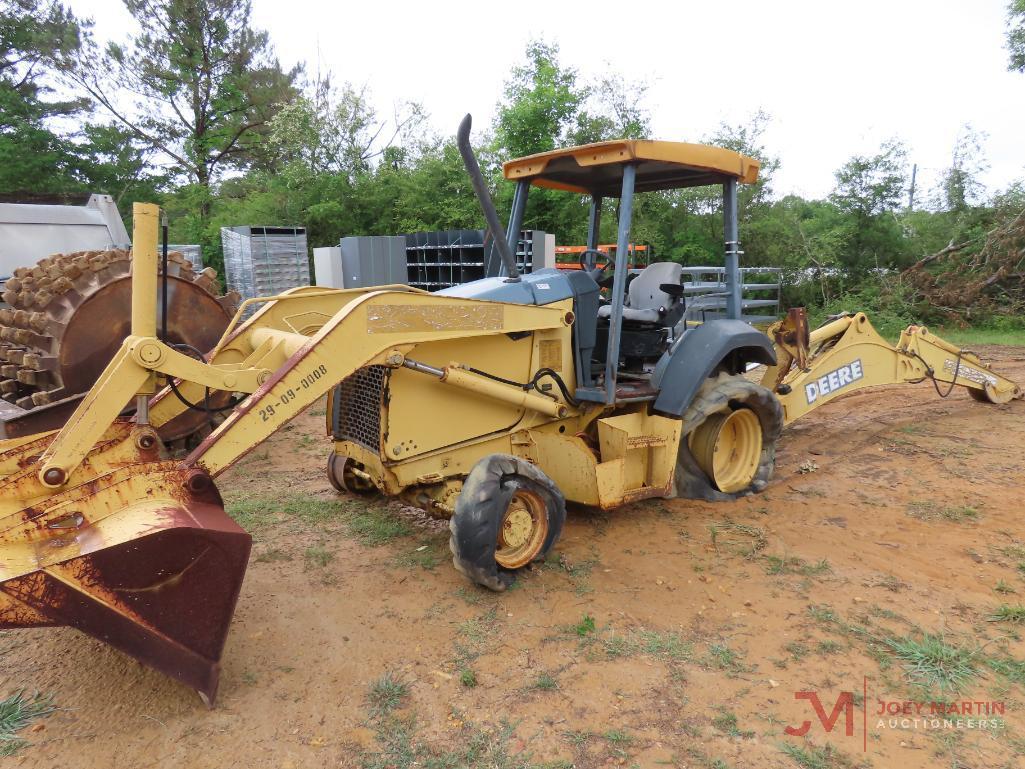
(669, 633)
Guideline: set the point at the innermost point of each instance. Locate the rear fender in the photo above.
(699, 353)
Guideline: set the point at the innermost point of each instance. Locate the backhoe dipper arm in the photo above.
(848, 354)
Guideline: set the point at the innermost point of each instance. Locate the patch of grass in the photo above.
(397, 749)
(828, 647)
(579, 573)
(701, 758)
(478, 748)
(618, 737)
(374, 526)
(797, 650)
(386, 693)
(1007, 613)
(975, 336)
(1015, 551)
(889, 581)
(1011, 669)
(17, 712)
(476, 629)
(468, 678)
(427, 557)
(811, 757)
(585, 626)
(273, 556)
(474, 633)
(317, 557)
(474, 596)
(254, 513)
(776, 565)
(665, 645)
(306, 441)
(823, 613)
(249, 678)
(931, 662)
(578, 738)
(577, 570)
(912, 429)
(545, 682)
(1003, 587)
(726, 722)
(924, 510)
(722, 657)
(816, 569)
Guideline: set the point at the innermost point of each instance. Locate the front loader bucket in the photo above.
(143, 558)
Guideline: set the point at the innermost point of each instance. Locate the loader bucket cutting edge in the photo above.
(157, 579)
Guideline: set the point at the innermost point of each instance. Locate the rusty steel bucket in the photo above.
(141, 556)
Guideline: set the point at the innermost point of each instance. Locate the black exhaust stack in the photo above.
(487, 206)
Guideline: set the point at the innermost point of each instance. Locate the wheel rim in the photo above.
(728, 448)
(523, 531)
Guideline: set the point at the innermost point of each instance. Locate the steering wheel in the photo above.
(589, 260)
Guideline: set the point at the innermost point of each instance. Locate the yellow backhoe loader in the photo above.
(490, 403)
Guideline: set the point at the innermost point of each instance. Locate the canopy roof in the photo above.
(597, 169)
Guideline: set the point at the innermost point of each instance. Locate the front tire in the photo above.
(508, 515)
(728, 448)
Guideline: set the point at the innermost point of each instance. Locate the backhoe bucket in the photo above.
(142, 557)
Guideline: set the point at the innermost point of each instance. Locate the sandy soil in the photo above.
(667, 633)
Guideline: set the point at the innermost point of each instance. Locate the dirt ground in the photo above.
(667, 633)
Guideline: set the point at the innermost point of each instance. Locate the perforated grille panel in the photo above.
(357, 407)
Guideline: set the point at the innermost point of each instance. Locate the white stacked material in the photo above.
(264, 261)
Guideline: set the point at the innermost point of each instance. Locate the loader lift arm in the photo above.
(847, 354)
(102, 532)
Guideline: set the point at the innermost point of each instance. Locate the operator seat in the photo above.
(646, 302)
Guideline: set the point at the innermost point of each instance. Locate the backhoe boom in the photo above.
(847, 354)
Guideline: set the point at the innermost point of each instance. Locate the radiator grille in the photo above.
(357, 409)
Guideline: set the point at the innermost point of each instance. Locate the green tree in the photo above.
(1016, 36)
(35, 37)
(612, 109)
(541, 102)
(960, 183)
(197, 84)
(338, 130)
(869, 191)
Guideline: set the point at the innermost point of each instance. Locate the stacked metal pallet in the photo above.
(436, 260)
(264, 261)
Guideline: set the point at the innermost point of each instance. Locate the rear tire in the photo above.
(714, 408)
(508, 515)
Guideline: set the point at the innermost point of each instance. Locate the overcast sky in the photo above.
(837, 79)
